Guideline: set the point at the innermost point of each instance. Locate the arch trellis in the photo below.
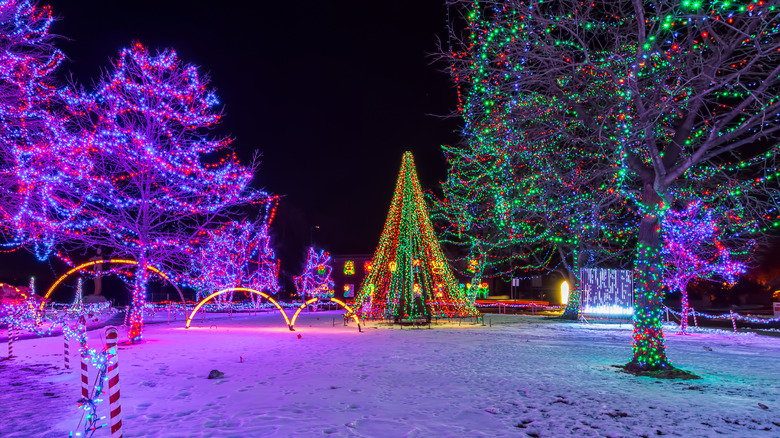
(117, 262)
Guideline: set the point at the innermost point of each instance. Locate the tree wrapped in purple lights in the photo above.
(236, 254)
(157, 179)
(693, 248)
(37, 156)
(266, 273)
(315, 281)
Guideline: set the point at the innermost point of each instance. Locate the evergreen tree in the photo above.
(693, 248)
(236, 254)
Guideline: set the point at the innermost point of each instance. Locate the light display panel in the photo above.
(607, 292)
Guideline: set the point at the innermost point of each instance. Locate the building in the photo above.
(348, 273)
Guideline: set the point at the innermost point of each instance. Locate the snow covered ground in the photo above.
(523, 376)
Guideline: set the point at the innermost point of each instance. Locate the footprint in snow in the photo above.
(185, 413)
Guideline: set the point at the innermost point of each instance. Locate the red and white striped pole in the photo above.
(113, 384)
(733, 321)
(82, 334)
(11, 340)
(67, 347)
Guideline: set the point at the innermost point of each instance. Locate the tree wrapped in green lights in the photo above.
(654, 101)
(410, 278)
(504, 210)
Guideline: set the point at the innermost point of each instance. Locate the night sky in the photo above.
(331, 93)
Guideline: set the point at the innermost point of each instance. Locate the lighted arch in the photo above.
(303, 306)
(240, 289)
(350, 312)
(115, 261)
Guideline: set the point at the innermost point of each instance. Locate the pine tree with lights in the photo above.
(159, 180)
(655, 102)
(315, 281)
(410, 277)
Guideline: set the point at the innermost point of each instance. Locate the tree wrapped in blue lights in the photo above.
(158, 180)
(315, 281)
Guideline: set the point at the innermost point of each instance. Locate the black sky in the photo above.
(331, 93)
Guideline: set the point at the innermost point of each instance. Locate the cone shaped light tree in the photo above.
(409, 277)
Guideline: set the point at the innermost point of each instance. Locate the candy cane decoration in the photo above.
(82, 324)
(113, 384)
(695, 322)
(11, 340)
(67, 347)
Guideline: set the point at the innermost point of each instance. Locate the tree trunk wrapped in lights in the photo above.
(410, 277)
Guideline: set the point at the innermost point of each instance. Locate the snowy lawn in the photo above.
(523, 376)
